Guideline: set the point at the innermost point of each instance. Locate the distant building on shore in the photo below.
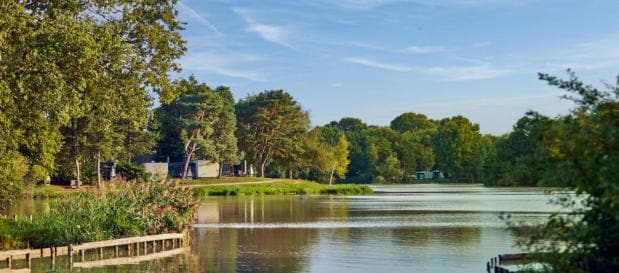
(426, 175)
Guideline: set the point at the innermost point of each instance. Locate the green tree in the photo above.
(226, 148)
(456, 145)
(197, 120)
(60, 60)
(269, 126)
(411, 122)
(414, 151)
(489, 164)
(359, 169)
(325, 154)
(584, 155)
(389, 169)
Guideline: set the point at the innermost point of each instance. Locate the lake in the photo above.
(401, 228)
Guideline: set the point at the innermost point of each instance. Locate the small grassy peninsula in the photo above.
(124, 209)
(279, 186)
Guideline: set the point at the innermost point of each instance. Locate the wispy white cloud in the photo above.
(372, 4)
(336, 84)
(189, 12)
(272, 33)
(377, 64)
(449, 73)
(424, 49)
(473, 72)
(223, 64)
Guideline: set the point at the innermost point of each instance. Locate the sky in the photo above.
(376, 59)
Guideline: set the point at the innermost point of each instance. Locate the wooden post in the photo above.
(129, 250)
(145, 248)
(81, 255)
(70, 255)
(28, 260)
(137, 249)
(53, 258)
(116, 252)
(9, 262)
(101, 253)
(173, 243)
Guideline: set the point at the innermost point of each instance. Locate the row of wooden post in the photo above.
(136, 246)
(140, 246)
(15, 217)
(9, 261)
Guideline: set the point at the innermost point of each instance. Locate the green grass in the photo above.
(47, 191)
(207, 181)
(281, 187)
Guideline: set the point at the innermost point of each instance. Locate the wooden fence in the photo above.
(134, 245)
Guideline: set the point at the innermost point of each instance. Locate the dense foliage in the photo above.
(584, 155)
(75, 78)
(200, 123)
(127, 209)
(269, 128)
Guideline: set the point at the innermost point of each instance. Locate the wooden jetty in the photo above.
(496, 264)
(134, 245)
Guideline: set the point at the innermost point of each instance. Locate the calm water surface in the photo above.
(412, 228)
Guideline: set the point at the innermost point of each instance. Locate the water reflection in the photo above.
(414, 228)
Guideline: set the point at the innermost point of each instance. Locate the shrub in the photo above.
(132, 171)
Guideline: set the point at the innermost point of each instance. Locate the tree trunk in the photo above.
(187, 159)
(290, 174)
(262, 167)
(332, 171)
(221, 170)
(78, 174)
(186, 166)
(98, 169)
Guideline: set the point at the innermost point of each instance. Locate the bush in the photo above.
(132, 171)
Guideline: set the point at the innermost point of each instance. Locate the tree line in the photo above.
(77, 87)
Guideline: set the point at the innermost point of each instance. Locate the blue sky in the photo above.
(375, 59)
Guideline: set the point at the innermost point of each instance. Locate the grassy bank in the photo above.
(223, 180)
(47, 191)
(280, 186)
(122, 210)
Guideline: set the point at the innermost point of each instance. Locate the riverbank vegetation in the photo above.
(584, 156)
(281, 187)
(123, 210)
